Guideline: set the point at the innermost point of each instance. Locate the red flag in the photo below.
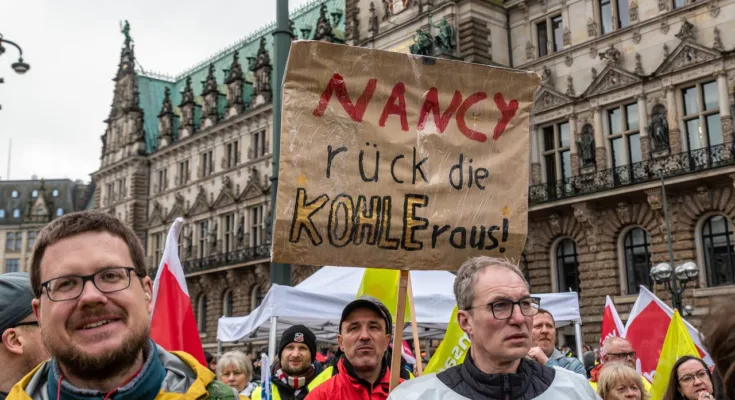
(407, 354)
(612, 326)
(646, 330)
(173, 325)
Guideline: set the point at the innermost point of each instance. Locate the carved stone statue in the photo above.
(446, 38)
(268, 227)
(212, 236)
(323, 27)
(126, 31)
(422, 43)
(611, 56)
(241, 232)
(386, 9)
(261, 66)
(658, 129)
(546, 75)
(188, 240)
(587, 149)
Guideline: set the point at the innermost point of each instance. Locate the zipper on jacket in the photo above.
(506, 387)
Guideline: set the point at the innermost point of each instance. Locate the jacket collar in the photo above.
(348, 370)
(595, 373)
(556, 354)
(493, 385)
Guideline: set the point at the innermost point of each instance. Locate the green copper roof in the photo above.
(152, 87)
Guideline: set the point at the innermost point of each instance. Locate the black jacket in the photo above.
(531, 380)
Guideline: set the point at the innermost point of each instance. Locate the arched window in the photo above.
(719, 257)
(227, 304)
(637, 259)
(567, 267)
(256, 298)
(202, 313)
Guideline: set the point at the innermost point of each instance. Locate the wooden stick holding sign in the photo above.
(415, 329)
(395, 362)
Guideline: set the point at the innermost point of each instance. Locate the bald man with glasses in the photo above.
(22, 346)
(616, 349)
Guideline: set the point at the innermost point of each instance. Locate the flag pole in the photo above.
(395, 364)
(415, 329)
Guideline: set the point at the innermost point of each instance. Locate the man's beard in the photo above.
(293, 372)
(93, 368)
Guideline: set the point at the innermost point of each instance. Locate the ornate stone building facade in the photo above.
(198, 146)
(631, 90)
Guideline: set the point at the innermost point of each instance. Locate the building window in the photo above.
(203, 231)
(157, 248)
(59, 212)
(12, 265)
(202, 313)
(110, 193)
(227, 304)
(14, 194)
(31, 240)
(233, 150)
(34, 193)
(256, 226)
(2, 214)
(258, 144)
(256, 298)
(55, 193)
(608, 23)
(567, 267)
(702, 116)
(557, 156)
(162, 179)
(183, 172)
(637, 259)
(719, 256)
(16, 213)
(679, 3)
(207, 166)
(550, 35)
(228, 221)
(121, 188)
(623, 131)
(10, 241)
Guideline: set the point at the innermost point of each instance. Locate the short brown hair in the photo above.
(545, 311)
(81, 222)
(615, 372)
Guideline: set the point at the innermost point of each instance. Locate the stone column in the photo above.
(725, 115)
(600, 148)
(673, 119)
(643, 125)
(535, 161)
(573, 144)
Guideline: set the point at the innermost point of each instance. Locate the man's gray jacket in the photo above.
(466, 381)
(557, 359)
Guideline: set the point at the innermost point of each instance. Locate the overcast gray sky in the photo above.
(54, 112)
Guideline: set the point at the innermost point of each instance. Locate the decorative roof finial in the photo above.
(125, 30)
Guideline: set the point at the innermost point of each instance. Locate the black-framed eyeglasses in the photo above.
(503, 309)
(70, 287)
(622, 356)
(689, 378)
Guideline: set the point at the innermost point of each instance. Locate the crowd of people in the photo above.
(77, 327)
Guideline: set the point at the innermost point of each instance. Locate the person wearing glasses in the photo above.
(616, 349)
(92, 299)
(22, 347)
(690, 379)
(496, 310)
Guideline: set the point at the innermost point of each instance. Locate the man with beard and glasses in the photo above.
(544, 340)
(496, 310)
(294, 370)
(92, 299)
(22, 347)
(364, 373)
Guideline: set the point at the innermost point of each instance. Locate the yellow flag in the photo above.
(383, 285)
(677, 344)
(452, 350)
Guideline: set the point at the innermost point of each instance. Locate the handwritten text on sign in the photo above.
(391, 161)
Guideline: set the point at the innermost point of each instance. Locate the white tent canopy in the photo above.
(318, 302)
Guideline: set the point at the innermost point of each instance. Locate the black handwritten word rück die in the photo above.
(396, 105)
(360, 220)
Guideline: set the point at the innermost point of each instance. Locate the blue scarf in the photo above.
(144, 386)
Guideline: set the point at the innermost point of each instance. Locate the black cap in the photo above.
(15, 299)
(371, 304)
(298, 334)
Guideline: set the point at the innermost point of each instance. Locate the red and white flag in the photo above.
(407, 354)
(612, 326)
(173, 325)
(646, 330)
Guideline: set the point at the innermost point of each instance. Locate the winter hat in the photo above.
(298, 334)
(15, 299)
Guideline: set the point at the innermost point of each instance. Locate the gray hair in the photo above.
(464, 284)
(236, 359)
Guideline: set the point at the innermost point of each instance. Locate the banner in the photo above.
(399, 161)
(612, 326)
(383, 285)
(678, 343)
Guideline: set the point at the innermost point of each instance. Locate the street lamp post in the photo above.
(674, 280)
(20, 66)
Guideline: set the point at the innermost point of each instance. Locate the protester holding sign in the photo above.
(93, 303)
(544, 340)
(496, 310)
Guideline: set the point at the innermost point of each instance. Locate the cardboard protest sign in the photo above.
(397, 161)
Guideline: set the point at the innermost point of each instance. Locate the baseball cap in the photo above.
(15, 299)
(371, 304)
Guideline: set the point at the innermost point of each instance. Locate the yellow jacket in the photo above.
(179, 363)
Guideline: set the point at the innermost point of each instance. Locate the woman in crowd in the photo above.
(690, 380)
(620, 382)
(236, 370)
